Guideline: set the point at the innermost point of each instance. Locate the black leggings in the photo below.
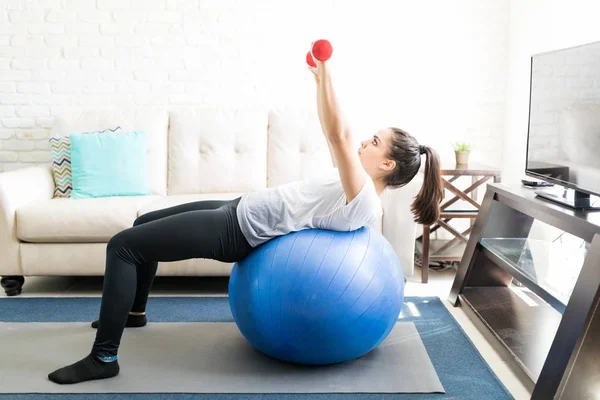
(202, 229)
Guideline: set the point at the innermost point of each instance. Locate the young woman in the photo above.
(229, 230)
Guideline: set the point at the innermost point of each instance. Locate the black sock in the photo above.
(133, 321)
(88, 369)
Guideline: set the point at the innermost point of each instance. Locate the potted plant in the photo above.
(462, 151)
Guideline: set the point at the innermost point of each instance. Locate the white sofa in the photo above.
(193, 154)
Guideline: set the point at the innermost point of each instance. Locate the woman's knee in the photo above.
(118, 240)
(120, 245)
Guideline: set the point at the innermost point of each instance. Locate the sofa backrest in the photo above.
(153, 121)
(297, 148)
(235, 150)
(217, 150)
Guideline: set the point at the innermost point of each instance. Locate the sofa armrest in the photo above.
(18, 188)
(398, 224)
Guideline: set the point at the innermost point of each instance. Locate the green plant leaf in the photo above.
(462, 146)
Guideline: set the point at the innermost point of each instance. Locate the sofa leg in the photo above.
(12, 284)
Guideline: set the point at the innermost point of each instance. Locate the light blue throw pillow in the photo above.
(109, 164)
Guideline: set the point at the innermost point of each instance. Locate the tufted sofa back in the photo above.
(214, 150)
(296, 147)
(205, 150)
(217, 150)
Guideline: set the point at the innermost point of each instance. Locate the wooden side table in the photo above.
(452, 208)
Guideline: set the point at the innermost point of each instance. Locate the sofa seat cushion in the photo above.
(93, 220)
(175, 200)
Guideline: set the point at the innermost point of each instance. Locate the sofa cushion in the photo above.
(297, 148)
(175, 200)
(78, 221)
(153, 121)
(214, 150)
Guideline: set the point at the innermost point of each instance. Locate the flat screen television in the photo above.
(563, 140)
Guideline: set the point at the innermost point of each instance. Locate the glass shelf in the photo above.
(553, 267)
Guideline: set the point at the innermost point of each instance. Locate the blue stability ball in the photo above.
(318, 296)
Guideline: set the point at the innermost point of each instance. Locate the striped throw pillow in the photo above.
(60, 147)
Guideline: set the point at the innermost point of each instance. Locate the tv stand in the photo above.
(549, 322)
(571, 198)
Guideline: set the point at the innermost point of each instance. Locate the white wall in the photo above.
(538, 26)
(436, 68)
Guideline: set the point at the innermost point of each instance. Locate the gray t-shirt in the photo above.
(312, 203)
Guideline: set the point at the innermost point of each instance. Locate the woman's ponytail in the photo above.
(426, 206)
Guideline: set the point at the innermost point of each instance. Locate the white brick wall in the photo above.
(436, 68)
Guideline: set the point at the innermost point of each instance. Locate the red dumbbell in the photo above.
(310, 61)
(321, 50)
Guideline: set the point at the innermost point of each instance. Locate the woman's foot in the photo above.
(90, 368)
(133, 321)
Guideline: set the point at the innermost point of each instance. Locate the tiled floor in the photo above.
(439, 285)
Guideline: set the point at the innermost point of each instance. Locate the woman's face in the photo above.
(373, 153)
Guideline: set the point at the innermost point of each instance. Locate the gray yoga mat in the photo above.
(205, 357)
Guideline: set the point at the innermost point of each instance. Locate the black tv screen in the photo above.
(563, 145)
